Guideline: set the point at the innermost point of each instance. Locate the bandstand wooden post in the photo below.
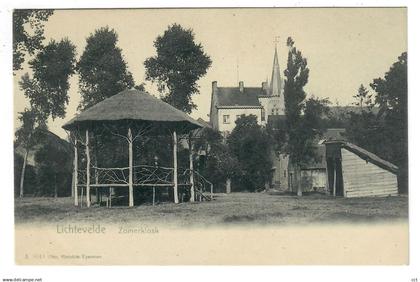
(130, 169)
(87, 170)
(75, 164)
(175, 176)
(192, 191)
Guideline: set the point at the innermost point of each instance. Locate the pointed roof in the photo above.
(276, 84)
(133, 105)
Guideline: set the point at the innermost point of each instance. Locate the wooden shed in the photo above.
(355, 172)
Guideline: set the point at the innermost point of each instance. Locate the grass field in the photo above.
(226, 209)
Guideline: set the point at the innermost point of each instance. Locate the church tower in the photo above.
(276, 85)
(275, 105)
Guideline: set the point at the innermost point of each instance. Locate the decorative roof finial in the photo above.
(276, 40)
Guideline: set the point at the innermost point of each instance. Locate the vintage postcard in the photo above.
(211, 136)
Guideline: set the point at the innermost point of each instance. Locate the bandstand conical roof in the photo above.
(134, 106)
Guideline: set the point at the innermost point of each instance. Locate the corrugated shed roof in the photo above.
(133, 105)
(232, 96)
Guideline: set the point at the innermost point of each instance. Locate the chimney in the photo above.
(264, 85)
(214, 85)
(241, 86)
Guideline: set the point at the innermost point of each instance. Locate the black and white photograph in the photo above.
(210, 136)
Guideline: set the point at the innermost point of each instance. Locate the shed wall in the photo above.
(362, 178)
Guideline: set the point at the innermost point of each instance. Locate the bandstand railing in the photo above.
(146, 176)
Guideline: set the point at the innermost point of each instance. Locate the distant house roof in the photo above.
(366, 155)
(233, 97)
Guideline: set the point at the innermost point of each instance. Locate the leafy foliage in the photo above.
(296, 74)
(28, 33)
(177, 66)
(392, 100)
(30, 132)
(54, 173)
(52, 67)
(102, 69)
(250, 144)
(219, 164)
(363, 98)
(392, 89)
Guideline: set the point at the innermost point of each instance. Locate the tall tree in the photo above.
(102, 69)
(177, 66)
(392, 100)
(27, 136)
(52, 67)
(47, 92)
(303, 117)
(28, 33)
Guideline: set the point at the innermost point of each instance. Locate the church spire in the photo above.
(275, 84)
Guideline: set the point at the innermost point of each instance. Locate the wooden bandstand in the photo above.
(132, 117)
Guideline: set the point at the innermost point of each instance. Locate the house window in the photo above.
(226, 119)
(262, 114)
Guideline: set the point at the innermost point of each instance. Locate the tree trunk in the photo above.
(175, 176)
(72, 184)
(192, 191)
(55, 186)
(22, 175)
(75, 176)
(87, 170)
(298, 180)
(228, 186)
(130, 169)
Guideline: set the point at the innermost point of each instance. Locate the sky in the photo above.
(345, 47)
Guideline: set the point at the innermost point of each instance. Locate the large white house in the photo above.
(229, 103)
